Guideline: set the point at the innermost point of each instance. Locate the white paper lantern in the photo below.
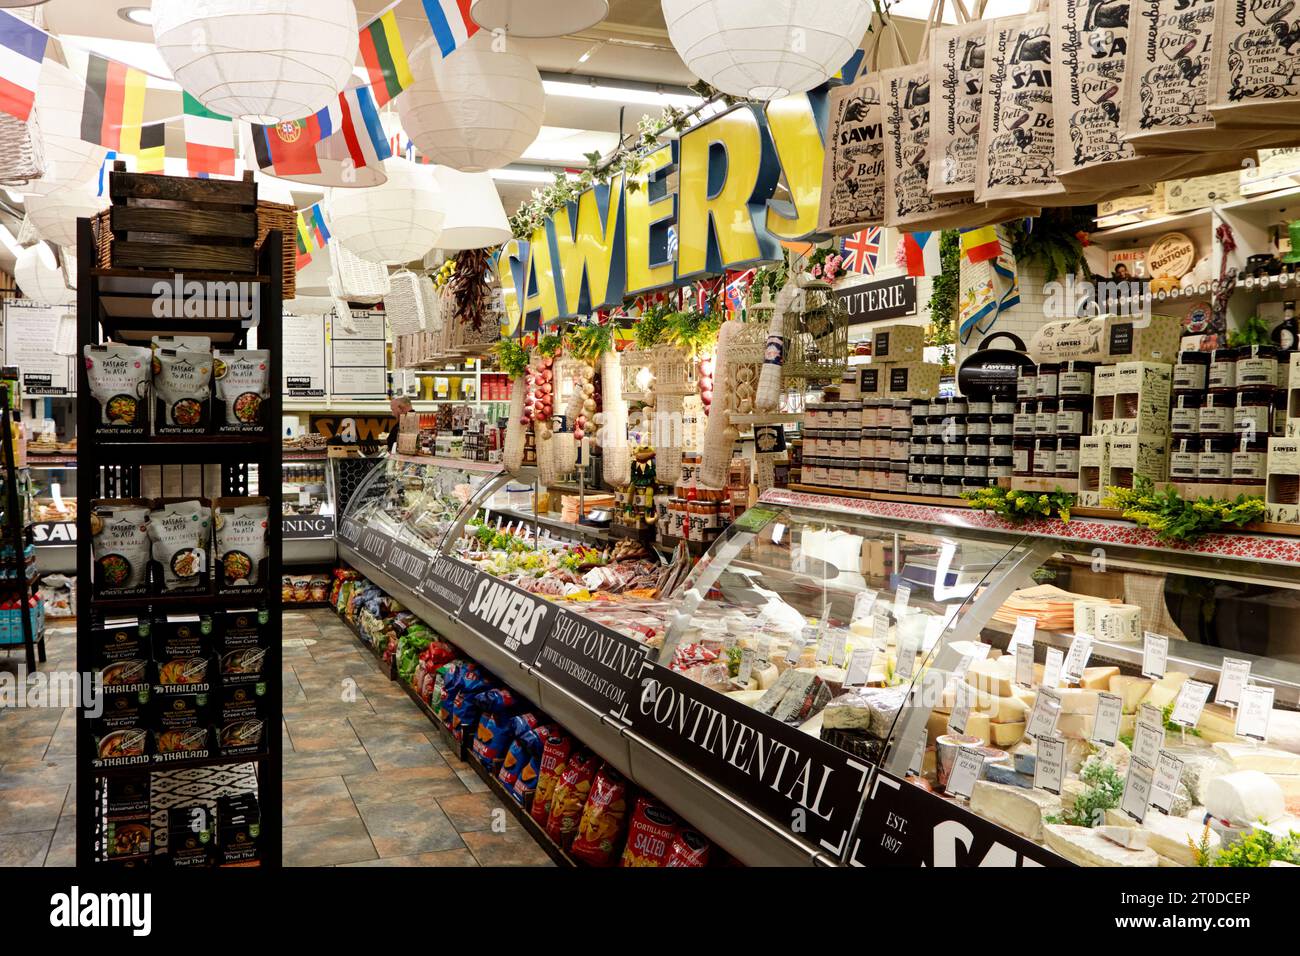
(475, 217)
(54, 214)
(264, 61)
(539, 18)
(336, 168)
(476, 110)
(40, 279)
(766, 50)
(397, 222)
(60, 96)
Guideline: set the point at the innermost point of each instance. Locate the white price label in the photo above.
(1164, 781)
(765, 648)
(963, 665)
(1052, 668)
(880, 625)
(902, 595)
(823, 655)
(1147, 743)
(1151, 714)
(961, 709)
(798, 563)
(304, 499)
(860, 667)
(1026, 628)
(1105, 727)
(863, 603)
(1233, 678)
(907, 649)
(1253, 712)
(1137, 790)
(747, 656)
(839, 647)
(1049, 764)
(917, 763)
(1024, 664)
(1077, 658)
(794, 651)
(1042, 719)
(965, 772)
(980, 651)
(1190, 702)
(1155, 655)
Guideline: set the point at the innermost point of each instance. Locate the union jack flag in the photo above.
(862, 251)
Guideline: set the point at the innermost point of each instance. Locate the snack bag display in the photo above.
(650, 834)
(181, 382)
(526, 784)
(600, 830)
(495, 733)
(555, 754)
(570, 797)
(689, 849)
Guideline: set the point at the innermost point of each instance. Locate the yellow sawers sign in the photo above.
(614, 241)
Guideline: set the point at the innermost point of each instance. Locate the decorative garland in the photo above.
(512, 357)
(1178, 520)
(943, 293)
(1016, 506)
(469, 287)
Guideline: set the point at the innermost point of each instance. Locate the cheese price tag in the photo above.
(1049, 764)
(1052, 668)
(747, 657)
(1233, 678)
(1026, 627)
(765, 648)
(794, 651)
(1164, 781)
(1077, 658)
(1105, 727)
(1155, 655)
(1190, 702)
(1137, 790)
(823, 655)
(839, 647)
(880, 625)
(1253, 712)
(1042, 719)
(963, 665)
(1024, 664)
(980, 651)
(304, 499)
(863, 603)
(902, 595)
(961, 709)
(859, 667)
(1151, 714)
(798, 563)
(1147, 743)
(965, 772)
(917, 763)
(907, 649)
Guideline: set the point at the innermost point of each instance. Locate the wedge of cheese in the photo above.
(1098, 678)
(1131, 689)
(1165, 690)
(1264, 759)
(994, 677)
(1010, 710)
(1218, 724)
(1075, 700)
(1245, 797)
(1019, 810)
(1129, 837)
(1007, 734)
(1088, 848)
(1075, 726)
(1168, 836)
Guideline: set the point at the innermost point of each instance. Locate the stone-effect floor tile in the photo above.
(28, 809)
(328, 844)
(440, 858)
(409, 785)
(25, 849)
(327, 763)
(511, 848)
(402, 751)
(402, 829)
(477, 811)
(317, 800)
(334, 733)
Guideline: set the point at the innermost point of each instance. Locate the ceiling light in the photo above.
(618, 94)
(510, 175)
(139, 15)
(590, 50)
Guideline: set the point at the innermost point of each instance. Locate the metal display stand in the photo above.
(19, 580)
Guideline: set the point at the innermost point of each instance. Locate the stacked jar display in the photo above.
(959, 444)
(1053, 411)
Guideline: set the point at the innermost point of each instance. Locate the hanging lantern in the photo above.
(60, 96)
(474, 111)
(397, 222)
(336, 166)
(766, 50)
(265, 61)
(39, 277)
(54, 214)
(475, 218)
(539, 18)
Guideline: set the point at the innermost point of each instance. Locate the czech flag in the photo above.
(22, 47)
(980, 244)
(921, 250)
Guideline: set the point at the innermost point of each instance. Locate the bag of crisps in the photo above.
(600, 831)
(650, 834)
(554, 757)
(570, 797)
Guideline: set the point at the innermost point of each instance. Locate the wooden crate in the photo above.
(1045, 485)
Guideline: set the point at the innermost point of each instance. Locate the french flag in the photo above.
(451, 22)
(22, 47)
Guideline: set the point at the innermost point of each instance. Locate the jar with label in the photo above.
(1250, 462)
(1192, 372)
(916, 464)
(916, 446)
(952, 487)
(1022, 455)
(677, 518)
(954, 426)
(977, 466)
(1223, 369)
(900, 414)
(938, 409)
(972, 484)
(849, 389)
(1026, 383)
(979, 406)
(1067, 456)
(977, 445)
(1002, 426)
(954, 465)
(955, 447)
(921, 425)
(1045, 457)
(1185, 413)
(897, 477)
(1072, 415)
(1253, 416)
(914, 485)
(1001, 468)
(1217, 413)
(957, 405)
(1002, 406)
(933, 485)
(920, 408)
(898, 447)
(1184, 457)
(1215, 461)
(1045, 420)
(1000, 446)
(1257, 366)
(1046, 383)
(933, 465)
(977, 425)
(1075, 378)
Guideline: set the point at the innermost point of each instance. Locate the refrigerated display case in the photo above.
(310, 509)
(54, 511)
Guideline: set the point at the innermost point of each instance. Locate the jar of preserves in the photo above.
(1250, 461)
(1075, 378)
(1214, 464)
(1192, 371)
(1067, 456)
(1223, 368)
(1046, 380)
(1022, 456)
(1184, 455)
(1257, 366)
(1253, 416)
(1027, 383)
(1185, 413)
(1072, 415)
(1045, 420)
(1217, 414)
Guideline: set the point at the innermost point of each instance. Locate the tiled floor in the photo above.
(368, 781)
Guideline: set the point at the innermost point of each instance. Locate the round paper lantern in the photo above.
(336, 167)
(475, 217)
(54, 214)
(264, 61)
(60, 95)
(766, 50)
(539, 18)
(397, 222)
(474, 111)
(40, 279)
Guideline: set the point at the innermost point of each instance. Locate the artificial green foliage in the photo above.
(1254, 331)
(1105, 787)
(694, 330)
(1201, 848)
(1019, 506)
(549, 345)
(589, 340)
(1173, 727)
(1178, 520)
(512, 357)
(651, 328)
(1053, 241)
(1261, 848)
(768, 280)
(943, 294)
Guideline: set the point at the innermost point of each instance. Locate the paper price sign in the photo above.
(961, 710)
(1105, 726)
(1151, 714)
(1164, 781)
(907, 649)
(1253, 712)
(965, 772)
(1155, 655)
(1024, 654)
(902, 595)
(839, 648)
(980, 651)
(1026, 627)
(1042, 719)
(1049, 764)
(794, 651)
(1190, 702)
(917, 763)
(860, 667)
(1052, 668)
(765, 648)
(880, 625)
(798, 563)
(747, 656)
(1233, 678)
(1147, 743)
(1137, 790)
(863, 603)
(1077, 659)
(823, 647)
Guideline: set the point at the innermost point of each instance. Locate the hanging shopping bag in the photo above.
(956, 80)
(853, 192)
(1257, 65)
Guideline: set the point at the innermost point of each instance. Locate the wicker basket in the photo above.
(404, 305)
(357, 279)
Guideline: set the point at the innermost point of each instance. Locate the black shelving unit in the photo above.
(116, 304)
(19, 578)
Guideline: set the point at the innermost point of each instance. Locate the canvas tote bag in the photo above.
(1257, 64)
(853, 172)
(956, 79)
